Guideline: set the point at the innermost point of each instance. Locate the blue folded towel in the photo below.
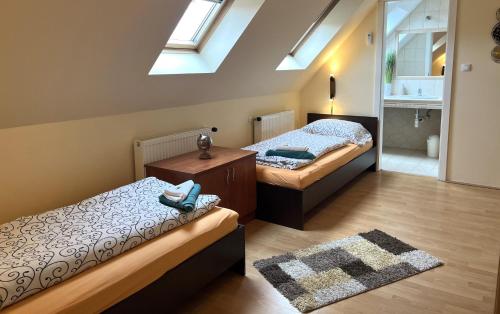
(290, 154)
(186, 205)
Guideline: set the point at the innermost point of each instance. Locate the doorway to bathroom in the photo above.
(415, 69)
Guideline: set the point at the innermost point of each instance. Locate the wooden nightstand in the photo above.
(230, 174)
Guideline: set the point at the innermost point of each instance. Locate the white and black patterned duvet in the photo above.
(317, 145)
(39, 251)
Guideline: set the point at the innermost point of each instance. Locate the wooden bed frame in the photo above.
(177, 285)
(288, 207)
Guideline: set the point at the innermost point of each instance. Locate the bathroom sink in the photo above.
(411, 97)
(413, 102)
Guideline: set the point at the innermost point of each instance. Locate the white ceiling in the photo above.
(63, 60)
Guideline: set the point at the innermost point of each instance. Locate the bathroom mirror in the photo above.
(420, 54)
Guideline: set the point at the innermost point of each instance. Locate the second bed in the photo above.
(285, 196)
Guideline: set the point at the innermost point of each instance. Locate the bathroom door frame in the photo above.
(447, 89)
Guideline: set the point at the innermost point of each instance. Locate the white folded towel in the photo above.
(179, 192)
(293, 148)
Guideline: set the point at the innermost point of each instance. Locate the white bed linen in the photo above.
(318, 145)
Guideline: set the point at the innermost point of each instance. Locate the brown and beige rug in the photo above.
(330, 272)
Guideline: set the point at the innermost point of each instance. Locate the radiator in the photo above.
(272, 125)
(151, 150)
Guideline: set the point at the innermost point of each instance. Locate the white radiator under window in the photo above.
(268, 126)
(151, 150)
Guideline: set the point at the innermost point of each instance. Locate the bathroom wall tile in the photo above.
(439, 87)
(420, 7)
(401, 87)
(434, 19)
(419, 54)
(393, 89)
(428, 87)
(399, 129)
(421, 41)
(443, 19)
(417, 20)
(413, 86)
(444, 5)
(408, 69)
(402, 90)
(443, 13)
(414, 43)
(405, 25)
(418, 86)
(432, 5)
(397, 87)
(404, 87)
(416, 68)
(410, 54)
(432, 87)
(401, 54)
(437, 9)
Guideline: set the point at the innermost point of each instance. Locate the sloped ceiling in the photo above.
(62, 60)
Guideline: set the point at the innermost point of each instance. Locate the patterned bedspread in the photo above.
(318, 145)
(37, 252)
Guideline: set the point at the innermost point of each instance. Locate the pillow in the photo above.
(352, 131)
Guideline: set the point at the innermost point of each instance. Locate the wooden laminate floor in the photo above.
(457, 223)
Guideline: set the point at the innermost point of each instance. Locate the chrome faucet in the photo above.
(419, 92)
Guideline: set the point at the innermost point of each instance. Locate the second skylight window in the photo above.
(195, 24)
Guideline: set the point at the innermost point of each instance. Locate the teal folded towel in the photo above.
(290, 154)
(186, 205)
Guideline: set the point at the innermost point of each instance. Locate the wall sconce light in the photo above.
(332, 92)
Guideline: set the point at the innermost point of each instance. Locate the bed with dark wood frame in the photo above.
(289, 207)
(179, 284)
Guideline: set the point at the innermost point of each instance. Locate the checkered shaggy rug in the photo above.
(329, 272)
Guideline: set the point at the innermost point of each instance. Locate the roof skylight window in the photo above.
(317, 36)
(195, 24)
(313, 26)
(204, 36)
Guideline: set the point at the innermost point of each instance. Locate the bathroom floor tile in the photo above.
(409, 161)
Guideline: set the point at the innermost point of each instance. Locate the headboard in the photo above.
(370, 123)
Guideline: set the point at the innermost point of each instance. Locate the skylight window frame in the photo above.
(206, 27)
(313, 27)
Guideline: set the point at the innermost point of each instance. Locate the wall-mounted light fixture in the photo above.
(332, 92)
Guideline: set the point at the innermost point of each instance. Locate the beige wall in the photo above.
(353, 65)
(68, 60)
(44, 166)
(50, 165)
(474, 150)
(69, 112)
